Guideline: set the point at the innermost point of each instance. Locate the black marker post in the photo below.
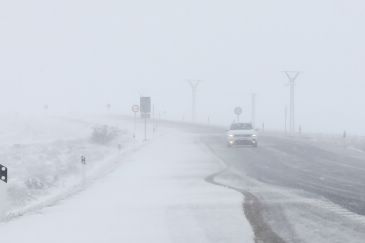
(3, 174)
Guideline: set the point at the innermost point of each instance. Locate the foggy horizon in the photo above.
(78, 56)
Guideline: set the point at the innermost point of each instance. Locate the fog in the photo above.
(78, 56)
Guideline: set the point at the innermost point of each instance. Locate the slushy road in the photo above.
(305, 185)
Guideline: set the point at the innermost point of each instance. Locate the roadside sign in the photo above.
(3, 174)
(145, 104)
(238, 110)
(135, 108)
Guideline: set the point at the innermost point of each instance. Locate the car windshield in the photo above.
(241, 126)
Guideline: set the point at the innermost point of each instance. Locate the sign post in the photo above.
(83, 169)
(83, 160)
(145, 106)
(238, 112)
(135, 110)
(4, 203)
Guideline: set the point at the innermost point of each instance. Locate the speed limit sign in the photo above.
(135, 108)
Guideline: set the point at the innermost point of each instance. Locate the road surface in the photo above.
(311, 192)
(156, 193)
(186, 185)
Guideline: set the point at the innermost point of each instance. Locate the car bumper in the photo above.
(242, 141)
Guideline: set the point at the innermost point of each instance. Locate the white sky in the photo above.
(80, 55)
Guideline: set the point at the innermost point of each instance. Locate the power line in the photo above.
(292, 76)
(194, 86)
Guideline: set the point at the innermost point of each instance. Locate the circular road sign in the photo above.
(238, 111)
(135, 108)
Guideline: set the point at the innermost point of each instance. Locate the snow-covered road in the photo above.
(308, 191)
(158, 194)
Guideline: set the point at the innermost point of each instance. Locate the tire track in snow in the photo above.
(278, 203)
(252, 207)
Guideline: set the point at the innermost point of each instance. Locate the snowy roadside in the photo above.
(43, 155)
(156, 195)
(297, 216)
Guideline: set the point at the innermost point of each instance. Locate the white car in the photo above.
(242, 134)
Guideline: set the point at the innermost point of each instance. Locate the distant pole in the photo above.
(194, 86)
(135, 125)
(292, 76)
(344, 136)
(145, 128)
(83, 170)
(135, 110)
(153, 119)
(253, 110)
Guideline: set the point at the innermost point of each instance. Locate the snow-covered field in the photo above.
(43, 155)
(127, 192)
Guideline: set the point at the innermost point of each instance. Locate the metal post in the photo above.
(253, 116)
(292, 76)
(153, 119)
(194, 85)
(135, 125)
(344, 136)
(145, 128)
(3, 174)
(292, 121)
(83, 169)
(3, 195)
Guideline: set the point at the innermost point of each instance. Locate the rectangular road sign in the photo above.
(145, 104)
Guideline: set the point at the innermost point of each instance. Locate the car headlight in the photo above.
(230, 135)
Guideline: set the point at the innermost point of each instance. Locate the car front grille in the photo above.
(242, 135)
(243, 142)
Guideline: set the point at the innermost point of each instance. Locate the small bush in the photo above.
(104, 134)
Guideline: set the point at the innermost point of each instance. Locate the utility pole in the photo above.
(253, 110)
(194, 86)
(153, 119)
(292, 76)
